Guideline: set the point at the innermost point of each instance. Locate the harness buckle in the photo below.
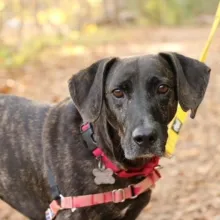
(131, 186)
(61, 198)
(88, 136)
(122, 192)
(73, 209)
(49, 215)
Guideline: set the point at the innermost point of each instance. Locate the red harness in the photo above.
(117, 195)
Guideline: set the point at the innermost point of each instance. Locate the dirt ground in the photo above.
(189, 188)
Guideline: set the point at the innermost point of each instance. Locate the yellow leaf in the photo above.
(75, 7)
(42, 17)
(57, 16)
(90, 28)
(2, 5)
(74, 35)
(94, 2)
(76, 50)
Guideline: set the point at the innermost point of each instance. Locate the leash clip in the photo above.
(101, 165)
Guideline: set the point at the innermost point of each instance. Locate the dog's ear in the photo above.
(87, 88)
(192, 78)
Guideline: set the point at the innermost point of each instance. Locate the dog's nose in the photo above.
(144, 136)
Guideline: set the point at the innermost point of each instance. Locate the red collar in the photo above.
(117, 195)
(88, 136)
(144, 171)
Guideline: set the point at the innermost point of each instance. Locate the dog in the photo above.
(128, 102)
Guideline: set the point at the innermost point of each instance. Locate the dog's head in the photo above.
(139, 96)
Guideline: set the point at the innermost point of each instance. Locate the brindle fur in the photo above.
(36, 136)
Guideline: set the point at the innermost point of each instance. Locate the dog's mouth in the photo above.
(147, 156)
(138, 161)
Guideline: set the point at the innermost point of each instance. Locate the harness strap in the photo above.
(55, 192)
(115, 196)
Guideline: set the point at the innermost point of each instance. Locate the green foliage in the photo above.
(175, 12)
(11, 57)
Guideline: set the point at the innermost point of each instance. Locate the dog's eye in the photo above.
(162, 89)
(118, 93)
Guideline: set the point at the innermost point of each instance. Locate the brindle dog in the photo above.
(129, 101)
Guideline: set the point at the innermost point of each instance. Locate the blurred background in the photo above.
(44, 42)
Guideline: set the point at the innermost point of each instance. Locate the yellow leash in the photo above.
(180, 117)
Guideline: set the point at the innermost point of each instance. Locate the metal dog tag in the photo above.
(103, 175)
